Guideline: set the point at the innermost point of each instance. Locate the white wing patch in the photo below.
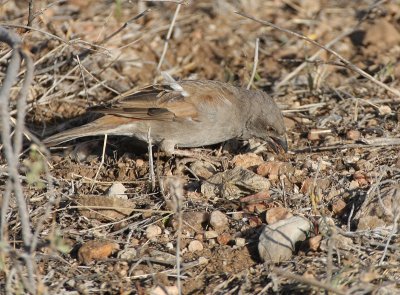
(174, 84)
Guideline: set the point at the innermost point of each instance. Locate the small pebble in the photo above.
(195, 246)
(210, 234)
(278, 213)
(385, 110)
(153, 231)
(277, 241)
(240, 242)
(353, 134)
(203, 260)
(338, 207)
(129, 253)
(224, 239)
(118, 190)
(239, 215)
(219, 221)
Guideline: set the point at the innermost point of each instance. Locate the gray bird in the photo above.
(188, 113)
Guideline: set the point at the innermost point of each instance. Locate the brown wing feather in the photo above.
(161, 102)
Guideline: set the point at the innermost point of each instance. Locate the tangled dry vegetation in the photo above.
(100, 225)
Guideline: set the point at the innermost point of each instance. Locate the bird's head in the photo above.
(266, 122)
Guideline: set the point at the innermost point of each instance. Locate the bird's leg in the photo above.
(192, 156)
(169, 148)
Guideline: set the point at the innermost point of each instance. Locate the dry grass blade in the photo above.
(253, 72)
(171, 27)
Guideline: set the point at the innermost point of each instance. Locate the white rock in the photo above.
(117, 189)
(129, 253)
(385, 110)
(203, 260)
(195, 245)
(210, 234)
(153, 231)
(240, 242)
(219, 221)
(277, 241)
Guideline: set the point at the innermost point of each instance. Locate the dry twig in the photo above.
(253, 72)
(11, 152)
(171, 27)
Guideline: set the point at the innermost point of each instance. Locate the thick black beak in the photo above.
(280, 142)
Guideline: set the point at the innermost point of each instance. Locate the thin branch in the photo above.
(11, 74)
(176, 190)
(41, 11)
(253, 73)
(151, 161)
(136, 17)
(11, 153)
(4, 208)
(30, 13)
(171, 27)
(21, 102)
(101, 162)
(37, 30)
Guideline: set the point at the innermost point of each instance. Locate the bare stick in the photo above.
(151, 162)
(175, 188)
(253, 73)
(21, 102)
(101, 162)
(345, 62)
(4, 208)
(125, 25)
(36, 30)
(329, 263)
(83, 77)
(171, 27)
(41, 11)
(350, 216)
(11, 154)
(30, 13)
(11, 74)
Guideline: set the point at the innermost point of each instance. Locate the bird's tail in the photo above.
(71, 134)
(103, 125)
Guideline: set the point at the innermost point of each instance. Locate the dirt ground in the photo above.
(341, 173)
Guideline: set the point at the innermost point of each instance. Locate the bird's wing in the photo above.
(183, 100)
